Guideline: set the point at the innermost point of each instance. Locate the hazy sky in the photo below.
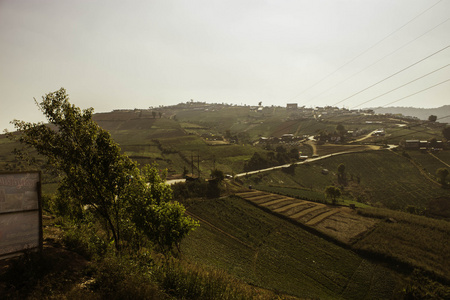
(136, 54)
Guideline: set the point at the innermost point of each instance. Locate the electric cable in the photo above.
(418, 92)
(387, 55)
(390, 76)
(368, 49)
(401, 86)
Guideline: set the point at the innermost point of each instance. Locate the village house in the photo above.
(292, 106)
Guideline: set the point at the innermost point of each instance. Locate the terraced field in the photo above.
(340, 223)
(268, 251)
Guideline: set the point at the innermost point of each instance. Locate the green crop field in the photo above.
(395, 135)
(268, 251)
(164, 141)
(415, 240)
(431, 162)
(385, 179)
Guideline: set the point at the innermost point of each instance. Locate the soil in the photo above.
(340, 223)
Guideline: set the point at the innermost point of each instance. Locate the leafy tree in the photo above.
(282, 158)
(95, 172)
(432, 118)
(294, 154)
(433, 142)
(228, 134)
(160, 220)
(442, 174)
(446, 132)
(333, 193)
(341, 169)
(217, 175)
(341, 130)
(96, 176)
(280, 149)
(256, 162)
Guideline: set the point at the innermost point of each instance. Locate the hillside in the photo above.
(268, 251)
(366, 231)
(442, 112)
(296, 244)
(379, 178)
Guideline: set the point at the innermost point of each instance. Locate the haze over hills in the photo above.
(442, 113)
(270, 222)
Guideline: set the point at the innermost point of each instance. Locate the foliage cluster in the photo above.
(196, 189)
(100, 183)
(333, 193)
(138, 276)
(262, 161)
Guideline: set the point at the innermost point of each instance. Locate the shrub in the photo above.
(118, 277)
(84, 240)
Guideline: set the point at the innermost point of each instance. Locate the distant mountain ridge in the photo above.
(442, 113)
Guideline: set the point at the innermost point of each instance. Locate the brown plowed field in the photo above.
(251, 194)
(321, 217)
(282, 205)
(305, 218)
(274, 202)
(288, 205)
(265, 198)
(305, 212)
(295, 209)
(340, 223)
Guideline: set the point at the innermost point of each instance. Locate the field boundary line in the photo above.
(321, 217)
(306, 211)
(439, 159)
(219, 230)
(421, 171)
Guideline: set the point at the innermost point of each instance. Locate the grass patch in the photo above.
(267, 251)
(379, 178)
(415, 240)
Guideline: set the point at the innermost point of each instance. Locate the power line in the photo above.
(367, 50)
(417, 92)
(390, 76)
(402, 86)
(353, 75)
(419, 124)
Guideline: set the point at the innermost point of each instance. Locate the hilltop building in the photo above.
(292, 106)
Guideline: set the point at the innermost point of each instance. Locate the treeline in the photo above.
(280, 156)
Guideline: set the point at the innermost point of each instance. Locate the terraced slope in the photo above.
(340, 223)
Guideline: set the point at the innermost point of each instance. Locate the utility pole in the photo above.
(198, 165)
(192, 164)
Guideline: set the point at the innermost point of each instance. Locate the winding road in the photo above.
(305, 161)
